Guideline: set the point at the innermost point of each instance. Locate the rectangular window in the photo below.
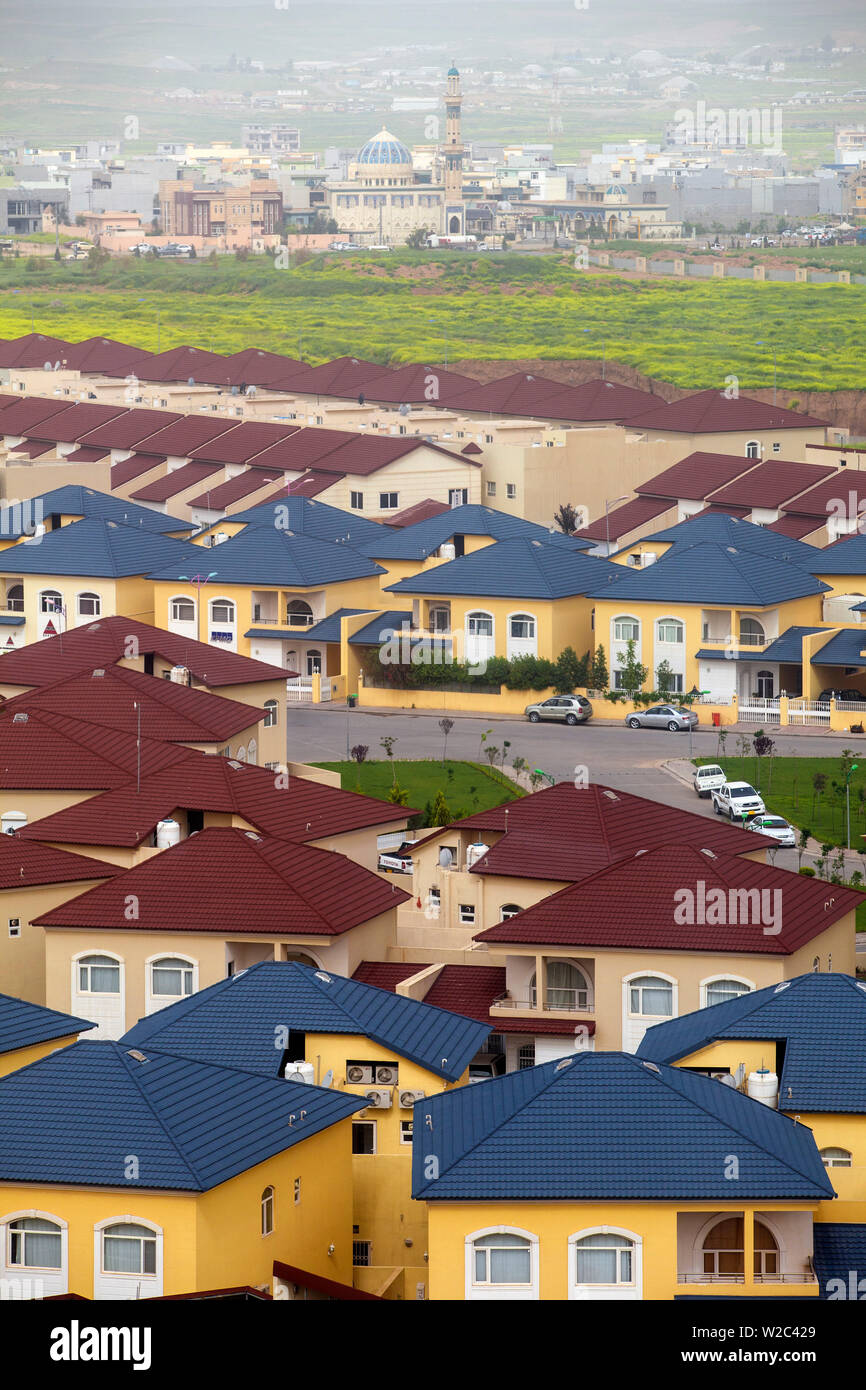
(356, 500)
(14, 926)
(405, 1131)
(458, 496)
(626, 630)
(389, 501)
(511, 490)
(491, 489)
(297, 1191)
(467, 914)
(362, 1252)
(363, 1136)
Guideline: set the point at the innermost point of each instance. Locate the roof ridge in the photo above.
(123, 1055)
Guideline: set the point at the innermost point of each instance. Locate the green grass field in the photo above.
(417, 306)
(788, 788)
(467, 787)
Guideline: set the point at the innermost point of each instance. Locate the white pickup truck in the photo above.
(738, 801)
(708, 779)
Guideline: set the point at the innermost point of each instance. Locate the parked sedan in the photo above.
(663, 717)
(776, 827)
(567, 709)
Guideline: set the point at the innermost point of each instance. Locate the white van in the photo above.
(708, 779)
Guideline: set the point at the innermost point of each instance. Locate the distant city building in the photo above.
(271, 139)
(240, 215)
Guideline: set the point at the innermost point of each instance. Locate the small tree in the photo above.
(763, 746)
(446, 725)
(803, 845)
(720, 743)
(599, 675)
(360, 751)
(492, 753)
(567, 519)
(520, 765)
(570, 672)
(418, 237)
(397, 796)
(632, 674)
(441, 815)
(664, 677)
(388, 745)
(819, 782)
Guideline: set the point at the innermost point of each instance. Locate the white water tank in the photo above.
(167, 833)
(180, 675)
(300, 1071)
(763, 1085)
(474, 853)
(448, 551)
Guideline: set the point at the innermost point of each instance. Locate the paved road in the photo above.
(637, 761)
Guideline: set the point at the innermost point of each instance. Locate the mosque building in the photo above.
(385, 198)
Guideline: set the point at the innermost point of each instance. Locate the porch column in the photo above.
(749, 1246)
(540, 984)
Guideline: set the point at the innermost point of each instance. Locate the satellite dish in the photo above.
(328, 1079)
(728, 1080)
(250, 391)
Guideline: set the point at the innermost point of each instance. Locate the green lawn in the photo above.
(467, 787)
(422, 306)
(787, 786)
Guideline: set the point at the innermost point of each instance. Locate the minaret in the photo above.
(453, 154)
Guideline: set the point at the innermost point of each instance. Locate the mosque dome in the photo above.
(452, 71)
(385, 150)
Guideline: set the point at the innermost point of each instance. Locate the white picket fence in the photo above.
(299, 690)
(759, 710)
(808, 712)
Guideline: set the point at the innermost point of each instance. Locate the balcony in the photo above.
(556, 1001)
(806, 1276)
(732, 640)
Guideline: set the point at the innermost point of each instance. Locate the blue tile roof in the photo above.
(846, 557)
(23, 1024)
(711, 573)
(843, 650)
(787, 647)
(11, 619)
(328, 630)
(75, 500)
(103, 549)
(271, 555)
(381, 629)
(304, 515)
(731, 530)
(71, 1117)
(521, 569)
(820, 1018)
(603, 1126)
(839, 1249)
(233, 1021)
(418, 541)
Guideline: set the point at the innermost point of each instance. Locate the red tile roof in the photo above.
(640, 904)
(795, 526)
(25, 863)
(255, 367)
(817, 501)
(236, 882)
(421, 511)
(41, 750)
(118, 697)
(416, 384)
(301, 810)
(177, 481)
(520, 393)
(303, 448)
(596, 400)
(31, 449)
(28, 412)
(308, 485)
(188, 433)
(235, 489)
(386, 974)
(130, 430)
(770, 484)
(710, 412)
(565, 832)
(176, 364)
(626, 518)
(696, 476)
(343, 377)
(107, 640)
(87, 455)
(71, 425)
(469, 990)
(134, 467)
(245, 442)
(32, 350)
(367, 453)
(104, 355)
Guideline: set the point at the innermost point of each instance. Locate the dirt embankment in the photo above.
(846, 409)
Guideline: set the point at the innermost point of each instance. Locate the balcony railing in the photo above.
(805, 1277)
(739, 639)
(557, 1001)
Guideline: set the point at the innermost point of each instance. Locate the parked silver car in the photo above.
(568, 709)
(662, 717)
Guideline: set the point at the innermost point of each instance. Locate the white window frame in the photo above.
(753, 449)
(501, 1292)
(189, 963)
(97, 604)
(606, 1292)
(628, 982)
(50, 593)
(670, 641)
(710, 980)
(181, 598)
(624, 618)
(268, 1201)
(836, 1161)
(406, 1131)
(229, 603)
(51, 1280)
(109, 1283)
(386, 504)
(356, 501)
(272, 714)
(466, 914)
(83, 959)
(375, 1128)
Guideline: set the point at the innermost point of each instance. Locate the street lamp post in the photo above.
(608, 503)
(853, 769)
(198, 580)
(772, 347)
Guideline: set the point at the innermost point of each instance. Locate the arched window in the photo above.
(751, 633)
(626, 629)
(605, 1258)
(722, 988)
(764, 682)
(271, 714)
(298, 613)
(252, 752)
(292, 661)
(50, 601)
(12, 821)
(89, 605)
(314, 663)
(522, 635)
(836, 1158)
(502, 1259)
(222, 610)
(241, 755)
(479, 624)
(35, 1243)
(650, 996)
(724, 1253)
(98, 975)
(440, 618)
(182, 610)
(171, 977)
(128, 1248)
(508, 910)
(15, 598)
(753, 449)
(267, 1211)
(670, 630)
(567, 986)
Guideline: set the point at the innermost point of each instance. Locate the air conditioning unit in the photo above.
(410, 1098)
(386, 1076)
(359, 1076)
(378, 1099)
